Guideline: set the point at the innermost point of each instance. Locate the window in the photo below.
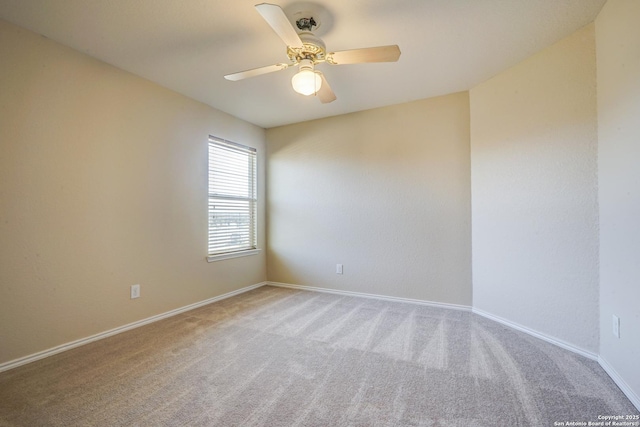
(232, 199)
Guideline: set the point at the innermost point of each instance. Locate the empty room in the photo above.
(327, 213)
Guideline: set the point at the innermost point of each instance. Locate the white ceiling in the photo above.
(189, 45)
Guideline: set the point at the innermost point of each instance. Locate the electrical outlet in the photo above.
(135, 291)
(616, 326)
(338, 268)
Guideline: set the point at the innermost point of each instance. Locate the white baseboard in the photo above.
(540, 335)
(374, 296)
(68, 346)
(633, 397)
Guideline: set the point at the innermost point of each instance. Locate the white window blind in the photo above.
(232, 197)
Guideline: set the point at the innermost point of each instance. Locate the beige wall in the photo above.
(103, 184)
(534, 191)
(618, 44)
(384, 192)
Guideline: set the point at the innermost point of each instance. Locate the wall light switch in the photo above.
(616, 326)
(338, 268)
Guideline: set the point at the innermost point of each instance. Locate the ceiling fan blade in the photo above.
(369, 54)
(255, 72)
(276, 18)
(325, 94)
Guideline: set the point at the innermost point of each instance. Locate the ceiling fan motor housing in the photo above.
(313, 49)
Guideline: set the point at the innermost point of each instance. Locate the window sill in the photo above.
(220, 257)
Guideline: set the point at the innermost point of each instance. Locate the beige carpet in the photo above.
(280, 357)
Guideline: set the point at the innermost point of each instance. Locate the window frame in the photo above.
(251, 198)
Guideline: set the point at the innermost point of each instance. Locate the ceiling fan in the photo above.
(306, 50)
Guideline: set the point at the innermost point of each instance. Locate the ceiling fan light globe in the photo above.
(306, 82)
